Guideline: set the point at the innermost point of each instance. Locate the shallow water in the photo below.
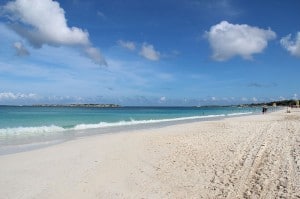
(21, 125)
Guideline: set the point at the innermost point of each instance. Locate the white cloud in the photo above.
(229, 40)
(163, 99)
(48, 21)
(149, 52)
(295, 96)
(254, 99)
(293, 46)
(127, 44)
(101, 14)
(17, 96)
(213, 98)
(95, 55)
(244, 99)
(43, 22)
(20, 49)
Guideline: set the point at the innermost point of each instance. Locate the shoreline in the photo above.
(254, 156)
(24, 144)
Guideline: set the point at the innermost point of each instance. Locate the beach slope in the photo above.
(254, 156)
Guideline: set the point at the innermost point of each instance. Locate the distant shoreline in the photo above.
(70, 105)
(290, 102)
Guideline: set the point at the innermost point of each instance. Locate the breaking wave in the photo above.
(26, 132)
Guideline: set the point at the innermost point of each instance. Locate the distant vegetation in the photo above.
(278, 103)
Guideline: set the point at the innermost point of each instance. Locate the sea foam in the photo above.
(135, 122)
(26, 132)
(19, 131)
(235, 114)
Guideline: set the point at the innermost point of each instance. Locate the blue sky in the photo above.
(136, 52)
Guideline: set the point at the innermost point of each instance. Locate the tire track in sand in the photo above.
(245, 171)
(268, 166)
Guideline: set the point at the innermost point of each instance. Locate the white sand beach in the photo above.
(254, 156)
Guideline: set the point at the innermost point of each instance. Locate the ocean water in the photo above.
(26, 124)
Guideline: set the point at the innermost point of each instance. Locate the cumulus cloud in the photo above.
(148, 52)
(20, 49)
(43, 22)
(291, 45)
(17, 96)
(228, 40)
(48, 22)
(127, 44)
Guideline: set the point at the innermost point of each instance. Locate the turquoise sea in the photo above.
(28, 124)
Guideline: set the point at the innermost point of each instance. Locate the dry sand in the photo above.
(242, 157)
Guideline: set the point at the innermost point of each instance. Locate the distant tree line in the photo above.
(278, 103)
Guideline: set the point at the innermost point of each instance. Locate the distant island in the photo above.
(79, 105)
